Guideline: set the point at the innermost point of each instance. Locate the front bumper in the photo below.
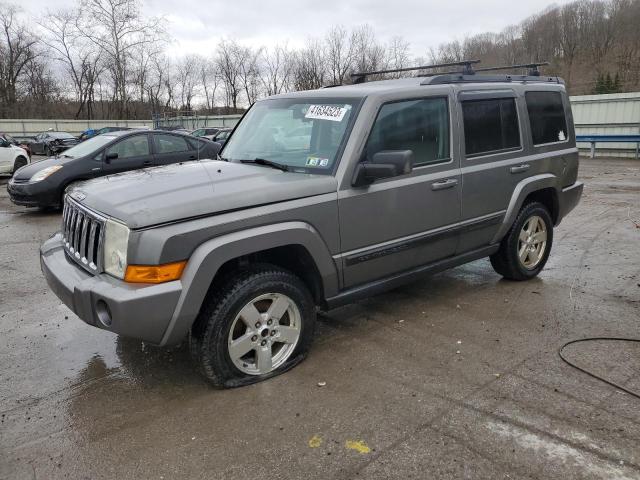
(130, 310)
(569, 198)
(32, 194)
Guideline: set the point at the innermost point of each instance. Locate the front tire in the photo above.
(525, 249)
(254, 325)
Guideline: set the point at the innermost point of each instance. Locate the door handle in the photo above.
(147, 163)
(192, 157)
(520, 168)
(448, 183)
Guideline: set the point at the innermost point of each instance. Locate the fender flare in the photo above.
(520, 192)
(207, 259)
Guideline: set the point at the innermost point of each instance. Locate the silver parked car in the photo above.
(397, 179)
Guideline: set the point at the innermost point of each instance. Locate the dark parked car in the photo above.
(90, 133)
(52, 143)
(222, 136)
(42, 184)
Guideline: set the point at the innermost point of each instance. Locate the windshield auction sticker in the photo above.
(326, 112)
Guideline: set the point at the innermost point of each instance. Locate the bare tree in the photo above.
(369, 55)
(228, 63)
(188, 76)
(277, 68)
(81, 59)
(398, 54)
(309, 70)
(117, 28)
(209, 79)
(339, 54)
(17, 49)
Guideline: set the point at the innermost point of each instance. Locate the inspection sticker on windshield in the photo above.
(317, 161)
(326, 112)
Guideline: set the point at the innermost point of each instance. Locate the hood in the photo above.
(164, 194)
(26, 172)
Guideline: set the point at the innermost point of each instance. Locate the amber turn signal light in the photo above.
(154, 273)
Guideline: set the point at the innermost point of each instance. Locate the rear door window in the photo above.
(170, 143)
(490, 126)
(546, 117)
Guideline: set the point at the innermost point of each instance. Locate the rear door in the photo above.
(169, 148)
(399, 223)
(133, 152)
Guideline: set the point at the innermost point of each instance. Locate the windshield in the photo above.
(88, 146)
(303, 134)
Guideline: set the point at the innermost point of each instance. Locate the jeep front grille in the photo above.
(82, 235)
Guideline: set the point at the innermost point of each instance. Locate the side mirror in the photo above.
(385, 164)
(110, 156)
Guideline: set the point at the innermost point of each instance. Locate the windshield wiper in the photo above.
(269, 163)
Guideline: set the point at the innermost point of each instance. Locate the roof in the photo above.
(411, 83)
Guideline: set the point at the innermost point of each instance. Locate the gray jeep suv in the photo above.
(382, 182)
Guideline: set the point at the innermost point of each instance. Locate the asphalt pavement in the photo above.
(455, 376)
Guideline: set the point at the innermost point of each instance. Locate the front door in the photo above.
(406, 221)
(130, 153)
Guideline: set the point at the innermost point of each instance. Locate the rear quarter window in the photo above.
(546, 117)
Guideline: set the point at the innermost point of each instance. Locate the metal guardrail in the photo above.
(593, 139)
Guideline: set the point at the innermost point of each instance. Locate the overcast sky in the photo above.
(198, 25)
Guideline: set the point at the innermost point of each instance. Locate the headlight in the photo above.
(44, 173)
(116, 240)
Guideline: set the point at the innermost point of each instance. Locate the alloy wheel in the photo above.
(532, 242)
(264, 334)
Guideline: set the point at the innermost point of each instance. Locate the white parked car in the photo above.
(12, 157)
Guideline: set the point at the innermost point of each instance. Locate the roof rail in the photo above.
(467, 69)
(454, 77)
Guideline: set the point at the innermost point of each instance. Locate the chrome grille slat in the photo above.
(82, 232)
(91, 258)
(83, 239)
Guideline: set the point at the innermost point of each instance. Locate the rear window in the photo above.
(490, 126)
(546, 116)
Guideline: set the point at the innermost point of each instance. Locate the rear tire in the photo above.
(19, 163)
(253, 325)
(525, 249)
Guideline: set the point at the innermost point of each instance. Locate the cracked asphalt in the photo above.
(455, 376)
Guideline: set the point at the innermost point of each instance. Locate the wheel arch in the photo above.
(295, 246)
(542, 188)
(19, 157)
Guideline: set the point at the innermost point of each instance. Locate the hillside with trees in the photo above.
(106, 59)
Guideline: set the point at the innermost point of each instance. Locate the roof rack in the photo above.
(467, 69)
(533, 75)
(533, 68)
(453, 77)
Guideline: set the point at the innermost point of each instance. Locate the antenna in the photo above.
(361, 77)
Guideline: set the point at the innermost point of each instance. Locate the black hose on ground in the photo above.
(583, 370)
